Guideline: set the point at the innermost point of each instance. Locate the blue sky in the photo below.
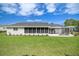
(38, 12)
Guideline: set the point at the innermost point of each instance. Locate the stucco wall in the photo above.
(20, 31)
(10, 31)
(2, 28)
(58, 30)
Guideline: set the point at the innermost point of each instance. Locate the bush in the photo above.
(2, 32)
(75, 33)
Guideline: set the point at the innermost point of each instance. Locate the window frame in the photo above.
(15, 29)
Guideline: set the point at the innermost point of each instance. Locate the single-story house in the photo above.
(37, 28)
(2, 28)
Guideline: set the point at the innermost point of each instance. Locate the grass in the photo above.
(38, 46)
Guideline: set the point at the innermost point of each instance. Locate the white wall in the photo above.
(53, 34)
(2, 28)
(58, 30)
(10, 31)
(20, 31)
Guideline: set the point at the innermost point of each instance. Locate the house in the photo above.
(37, 28)
(2, 28)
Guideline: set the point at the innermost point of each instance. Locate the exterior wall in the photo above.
(58, 30)
(20, 31)
(53, 34)
(36, 31)
(2, 28)
(10, 31)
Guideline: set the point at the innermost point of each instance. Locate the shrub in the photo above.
(2, 32)
(75, 33)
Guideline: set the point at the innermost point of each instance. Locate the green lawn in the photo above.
(39, 45)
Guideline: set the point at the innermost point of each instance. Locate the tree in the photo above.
(77, 27)
(71, 22)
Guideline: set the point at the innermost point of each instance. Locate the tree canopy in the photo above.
(71, 22)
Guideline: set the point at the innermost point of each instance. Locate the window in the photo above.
(34, 30)
(9, 28)
(46, 30)
(30, 30)
(42, 30)
(38, 30)
(15, 29)
(26, 30)
(52, 31)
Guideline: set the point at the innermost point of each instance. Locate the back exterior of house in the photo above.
(37, 28)
(2, 28)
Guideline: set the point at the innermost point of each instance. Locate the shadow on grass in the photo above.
(28, 55)
(68, 55)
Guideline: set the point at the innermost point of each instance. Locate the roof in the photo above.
(33, 24)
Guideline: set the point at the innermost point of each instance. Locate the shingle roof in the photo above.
(35, 24)
(31, 24)
(55, 25)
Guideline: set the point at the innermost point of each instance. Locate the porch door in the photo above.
(66, 31)
(52, 31)
(26, 30)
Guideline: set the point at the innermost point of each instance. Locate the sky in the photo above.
(57, 13)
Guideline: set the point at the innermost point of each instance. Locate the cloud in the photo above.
(50, 7)
(26, 9)
(23, 9)
(9, 8)
(35, 20)
(37, 12)
(29, 20)
(72, 8)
